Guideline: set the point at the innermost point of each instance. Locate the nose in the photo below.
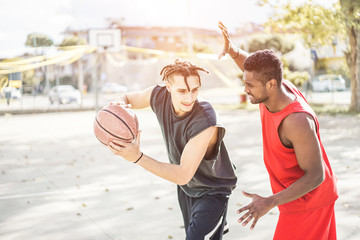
(189, 97)
(246, 89)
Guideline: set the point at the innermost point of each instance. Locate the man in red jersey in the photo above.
(302, 181)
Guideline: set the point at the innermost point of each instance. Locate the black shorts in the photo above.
(204, 217)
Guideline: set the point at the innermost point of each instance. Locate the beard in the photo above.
(257, 100)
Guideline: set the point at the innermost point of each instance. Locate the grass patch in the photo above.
(333, 109)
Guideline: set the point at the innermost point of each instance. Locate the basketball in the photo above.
(115, 122)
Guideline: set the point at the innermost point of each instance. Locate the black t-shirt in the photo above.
(215, 175)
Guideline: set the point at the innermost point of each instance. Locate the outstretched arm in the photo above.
(238, 55)
(137, 100)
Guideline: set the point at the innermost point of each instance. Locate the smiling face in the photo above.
(255, 88)
(183, 97)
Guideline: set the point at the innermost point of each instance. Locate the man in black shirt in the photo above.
(198, 160)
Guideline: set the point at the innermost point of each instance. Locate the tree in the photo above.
(278, 43)
(38, 40)
(321, 26)
(351, 16)
(72, 41)
(275, 42)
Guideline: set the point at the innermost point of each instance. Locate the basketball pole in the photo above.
(105, 40)
(97, 74)
(81, 81)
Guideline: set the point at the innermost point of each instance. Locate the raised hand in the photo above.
(227, 42)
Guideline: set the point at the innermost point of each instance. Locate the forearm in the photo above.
(298, 189)
(171, 172)
(138, 100)
(239, 56)
(129, 100)
(132, 99)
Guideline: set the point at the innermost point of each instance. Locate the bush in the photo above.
(276, 42)
(296, 77)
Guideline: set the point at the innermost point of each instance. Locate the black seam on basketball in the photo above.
(136, 122)
(133, 136)
(101, 141)
(126, 139)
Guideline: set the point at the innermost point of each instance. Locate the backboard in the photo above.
(109, 39)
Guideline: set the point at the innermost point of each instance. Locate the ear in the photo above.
(271, 84)
(168, 86)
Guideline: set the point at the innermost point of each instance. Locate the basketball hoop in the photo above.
(108, 40)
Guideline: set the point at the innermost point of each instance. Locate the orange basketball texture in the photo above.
(115, 122)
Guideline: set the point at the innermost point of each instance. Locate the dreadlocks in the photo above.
(182, 67)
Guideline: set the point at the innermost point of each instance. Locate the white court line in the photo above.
(51, 193)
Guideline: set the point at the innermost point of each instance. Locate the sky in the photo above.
(18, 18)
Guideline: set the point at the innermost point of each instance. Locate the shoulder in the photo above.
(158, 96)
(158, 89)
(202, 117)
(298, 123)
(206, 111)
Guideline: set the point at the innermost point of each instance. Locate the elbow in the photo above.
(315, 179)
(183, 180)
(183, 175)
(319, 179)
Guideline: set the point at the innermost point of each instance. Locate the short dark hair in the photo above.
(265, 65)
(182, 67)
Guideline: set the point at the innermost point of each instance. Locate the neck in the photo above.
(279, 99)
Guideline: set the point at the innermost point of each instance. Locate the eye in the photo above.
(195, 90)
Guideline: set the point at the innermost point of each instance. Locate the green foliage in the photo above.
(276, 42)
(3, 80)
(29, 78)
(320, 65)
(316, 24)
(351, 12)
(332, 109)
(296, 77)
(38, 40)
(72, 41)
(324, 26)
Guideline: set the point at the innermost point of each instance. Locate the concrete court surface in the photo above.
(58, 182)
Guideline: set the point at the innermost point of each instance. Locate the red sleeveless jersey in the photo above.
(281, 162)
